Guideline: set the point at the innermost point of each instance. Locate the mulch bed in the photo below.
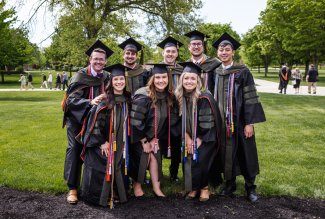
(26, 204)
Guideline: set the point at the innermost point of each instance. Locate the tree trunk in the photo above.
(265, 66)
(2, 77)
(306, 68)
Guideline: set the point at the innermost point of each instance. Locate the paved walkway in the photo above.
(272, 87)
(262, 86)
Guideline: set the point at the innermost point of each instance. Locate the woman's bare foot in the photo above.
(137, 189)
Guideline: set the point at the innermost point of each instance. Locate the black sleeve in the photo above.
(139, 112)
(253, 109)
(206, 128)
(78, 105)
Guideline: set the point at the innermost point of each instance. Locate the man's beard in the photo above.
(130, 63)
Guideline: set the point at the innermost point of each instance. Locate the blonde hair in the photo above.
(152, 93)
(179, 92)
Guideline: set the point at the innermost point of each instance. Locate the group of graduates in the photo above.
(123, 119)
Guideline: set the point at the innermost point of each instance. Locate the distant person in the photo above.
(65, 78)
(296, 75)
(312, 78)
(44, 83)
(49, 80)
(22, 82)
(58, 81)
(284, 79)
(30, 80)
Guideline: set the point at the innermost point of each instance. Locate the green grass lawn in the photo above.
(273, 76)
(290, 145)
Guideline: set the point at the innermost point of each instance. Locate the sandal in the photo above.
(72, 197)
(191, 195)
(202, 198)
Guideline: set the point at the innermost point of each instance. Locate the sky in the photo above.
(241, 14)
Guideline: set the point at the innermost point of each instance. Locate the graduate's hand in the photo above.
(199, 142)
(189, 143)
(249, 131)
(147, 147)
(97, 99)
(104, 149)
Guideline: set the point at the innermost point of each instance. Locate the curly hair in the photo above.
(110, 99)
(179, 92)
(153, 93)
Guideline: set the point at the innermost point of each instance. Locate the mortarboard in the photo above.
(159, 68)
(117, 70)
(196, 35)
(191, 67)
(131, 44)
(169, 42)
(226, 39)
(99, 45)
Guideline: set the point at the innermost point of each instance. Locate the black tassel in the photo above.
(142, 56)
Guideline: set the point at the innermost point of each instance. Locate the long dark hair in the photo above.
(110, 98)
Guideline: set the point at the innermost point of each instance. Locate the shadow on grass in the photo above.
(31, 99)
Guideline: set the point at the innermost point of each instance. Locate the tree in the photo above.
(85, 21)
(15, 48)
(299, 26)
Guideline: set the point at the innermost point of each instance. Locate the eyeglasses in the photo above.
(196, 44)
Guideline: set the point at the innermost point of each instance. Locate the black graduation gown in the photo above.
(137, 78)
(239, 154)
(76, 107)
(142, 125)
(283, 81)
(196, 173)
(95, 188)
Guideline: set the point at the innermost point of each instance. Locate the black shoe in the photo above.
(252, 196)
(228, 190)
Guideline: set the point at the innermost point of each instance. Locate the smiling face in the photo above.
(130, 57)
(170, 54)
(226, 54)
(196, 48)
(190, 81)
(118, 83)
(160, 81)
(97, 61)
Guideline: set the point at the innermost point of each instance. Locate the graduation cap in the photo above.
(191, 67)
(159, 68)
(131, 44)
(99, 45)
(226, 39)
(169, 42)
(117, 70)
(196, 35)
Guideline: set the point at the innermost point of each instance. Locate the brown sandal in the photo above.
(204, 199)
(72, 197)
(190, 195)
